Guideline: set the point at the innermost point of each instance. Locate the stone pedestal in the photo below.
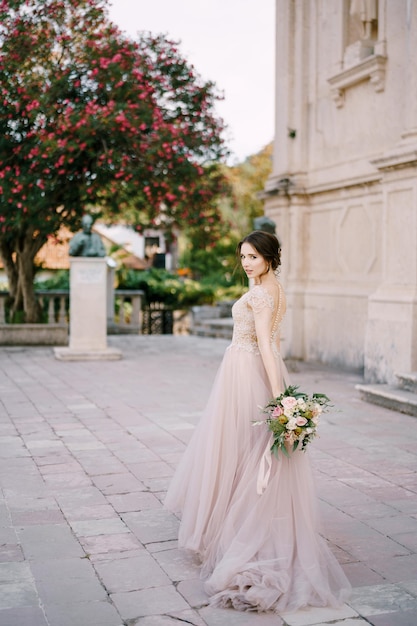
(88, 312)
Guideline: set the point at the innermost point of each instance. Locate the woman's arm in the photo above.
(263, 324)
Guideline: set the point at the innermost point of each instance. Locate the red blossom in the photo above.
(108, 121)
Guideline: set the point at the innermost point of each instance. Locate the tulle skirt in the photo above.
(258, 551)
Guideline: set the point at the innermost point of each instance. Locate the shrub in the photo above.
(60, 280)
(162, 286)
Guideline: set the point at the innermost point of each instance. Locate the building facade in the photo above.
(343, 191)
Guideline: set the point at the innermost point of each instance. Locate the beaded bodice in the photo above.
(254, 300)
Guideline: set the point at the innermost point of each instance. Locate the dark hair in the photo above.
(266, 244)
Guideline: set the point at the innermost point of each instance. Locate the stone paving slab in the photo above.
(130, 574)
(151, 601)
(87, 450)
(313, 615)
(46, 541)
(59, 581)
(24, 616)
(92, 613)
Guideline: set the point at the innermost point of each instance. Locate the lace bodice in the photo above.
(253, 301)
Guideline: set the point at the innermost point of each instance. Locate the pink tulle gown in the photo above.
(260, 548)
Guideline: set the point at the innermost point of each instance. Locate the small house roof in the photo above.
(54, 255)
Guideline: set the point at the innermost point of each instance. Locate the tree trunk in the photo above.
(26, 289)
(14, 302)
(18, 256)
(6, 253)
(28, 247)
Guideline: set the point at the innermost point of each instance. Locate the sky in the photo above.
(230, 42)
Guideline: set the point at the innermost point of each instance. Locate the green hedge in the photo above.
(161, 286)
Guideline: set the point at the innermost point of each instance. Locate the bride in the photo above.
(260, 548)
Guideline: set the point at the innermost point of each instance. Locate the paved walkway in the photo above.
(87, 451)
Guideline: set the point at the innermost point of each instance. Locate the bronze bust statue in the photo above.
(85, 242)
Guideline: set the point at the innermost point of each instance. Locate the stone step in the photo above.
(390, 397)
(220, 327)
(408, 381)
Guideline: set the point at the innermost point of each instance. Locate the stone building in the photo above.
(343, 191)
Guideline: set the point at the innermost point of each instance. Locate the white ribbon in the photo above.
(264, 471)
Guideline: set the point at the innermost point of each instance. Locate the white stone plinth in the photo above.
(88, 312)
(68, 354)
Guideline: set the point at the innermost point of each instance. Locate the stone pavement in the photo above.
(87, 450)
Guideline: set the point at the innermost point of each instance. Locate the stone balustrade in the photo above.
(53, 329)
(127, 314)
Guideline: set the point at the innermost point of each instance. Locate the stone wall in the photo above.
(343, 192)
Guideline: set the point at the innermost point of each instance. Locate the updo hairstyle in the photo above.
(266, 244)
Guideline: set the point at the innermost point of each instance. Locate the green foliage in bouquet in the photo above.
(293, 419)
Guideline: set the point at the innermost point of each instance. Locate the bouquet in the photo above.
(293, 418)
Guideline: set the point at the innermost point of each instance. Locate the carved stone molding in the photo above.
(372, 68)
(399, 158)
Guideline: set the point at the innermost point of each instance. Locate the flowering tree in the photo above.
(90, 118)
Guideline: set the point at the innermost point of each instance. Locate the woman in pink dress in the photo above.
(257, 536)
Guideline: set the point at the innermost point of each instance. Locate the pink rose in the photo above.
(301, 421)
(277, 411)
(289, 402)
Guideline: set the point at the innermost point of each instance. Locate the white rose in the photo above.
(317, 409)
